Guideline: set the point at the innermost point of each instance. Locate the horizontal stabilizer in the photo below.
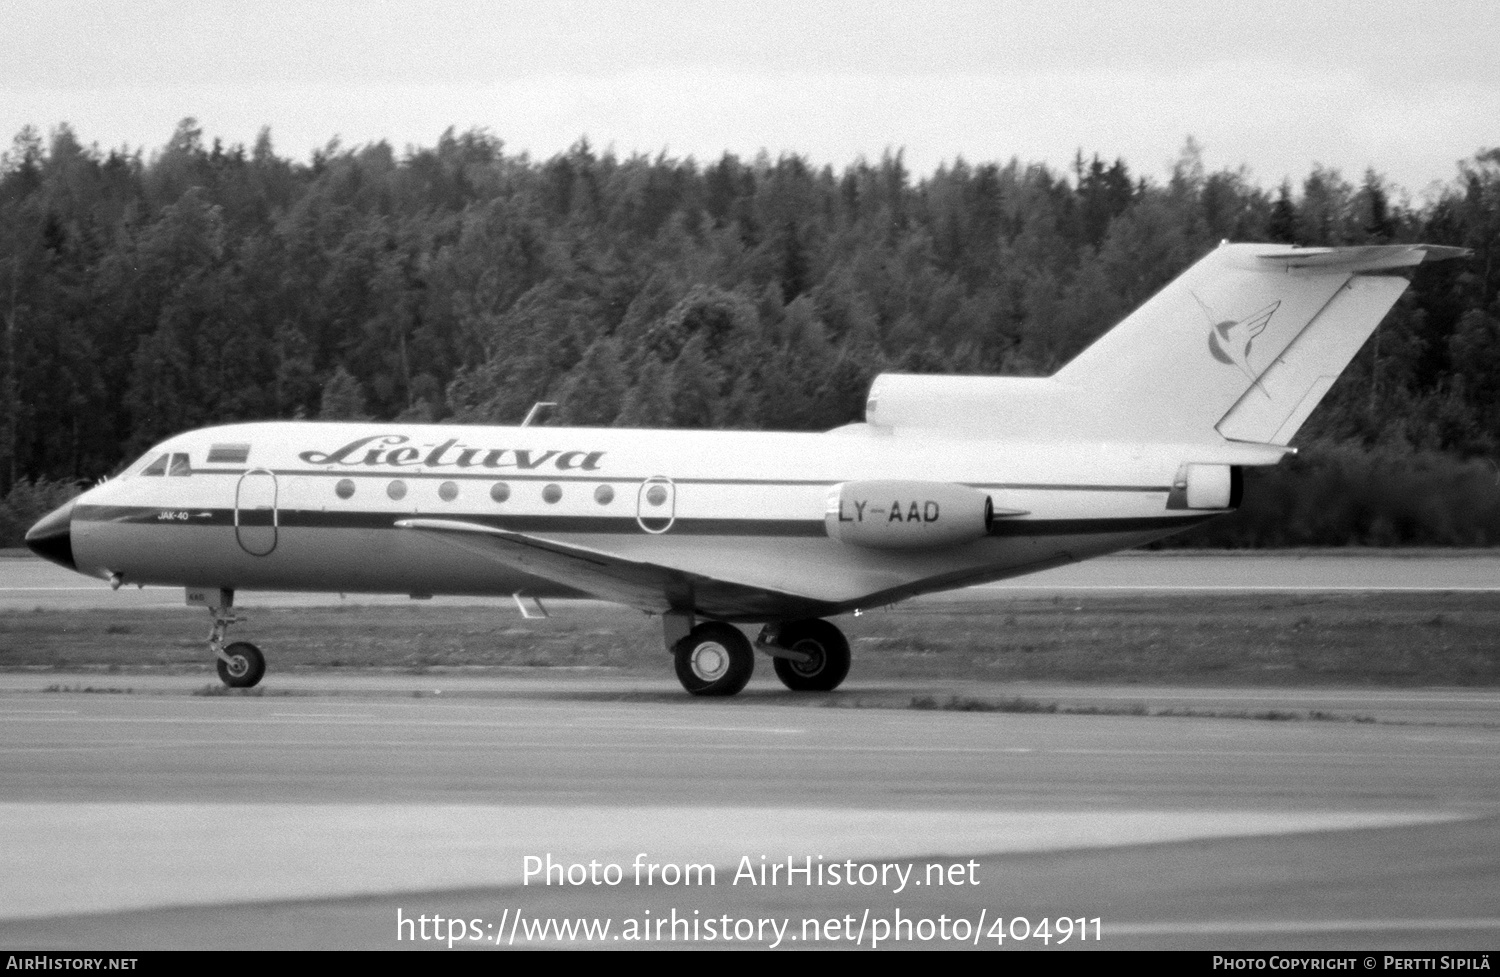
(1375, 257)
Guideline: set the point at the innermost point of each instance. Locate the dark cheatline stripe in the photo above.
(617, 525)
(515, 475)
(153, 515)
(1059, 487)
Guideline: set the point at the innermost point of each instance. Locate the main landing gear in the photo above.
(716, 659)
(822, 659)
(241, 665)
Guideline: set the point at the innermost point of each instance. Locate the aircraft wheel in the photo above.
(827, 667)
(245, 666)
(714, 659)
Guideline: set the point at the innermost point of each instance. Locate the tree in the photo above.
(647, 404)
(594, 391)
(343, 398)
(1283, 225)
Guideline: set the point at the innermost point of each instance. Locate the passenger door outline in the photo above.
(257, 519)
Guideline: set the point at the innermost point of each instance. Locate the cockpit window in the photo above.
(173, 464)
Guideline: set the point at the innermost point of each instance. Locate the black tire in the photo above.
(714, 659)
(245, 667)
(829, 665)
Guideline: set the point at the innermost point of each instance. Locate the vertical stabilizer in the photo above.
(1245, 343)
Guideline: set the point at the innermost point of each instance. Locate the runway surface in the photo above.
(309, 818)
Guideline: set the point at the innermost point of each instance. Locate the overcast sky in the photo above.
(1408, 89)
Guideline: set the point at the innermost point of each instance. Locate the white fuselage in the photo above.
(316, 506)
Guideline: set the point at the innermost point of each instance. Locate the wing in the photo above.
(650, 587)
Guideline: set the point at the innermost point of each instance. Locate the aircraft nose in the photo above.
(52, 537)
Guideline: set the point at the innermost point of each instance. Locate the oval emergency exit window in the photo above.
(656, 504)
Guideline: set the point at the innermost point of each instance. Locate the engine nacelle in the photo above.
(898, 515)
(1206, 487)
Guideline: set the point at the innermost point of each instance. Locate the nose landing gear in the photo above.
(240, 665)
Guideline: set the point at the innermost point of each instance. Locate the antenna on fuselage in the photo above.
(536, 409)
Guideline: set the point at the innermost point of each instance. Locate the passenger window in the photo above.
(180, 466)
(157, 467)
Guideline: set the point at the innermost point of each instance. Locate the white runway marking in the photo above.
(577, 745)
(774, 730)
(64, 858)
(321, 715)
(369, 719)
(328, 746)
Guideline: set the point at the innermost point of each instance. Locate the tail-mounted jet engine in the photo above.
(1207, 487)
(892, 515)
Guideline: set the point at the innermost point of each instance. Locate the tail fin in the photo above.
(1242, 346)
(1249, 339)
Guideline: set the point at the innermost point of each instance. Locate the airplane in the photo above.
(950, 481)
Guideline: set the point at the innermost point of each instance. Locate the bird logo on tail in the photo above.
(1230, 341)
